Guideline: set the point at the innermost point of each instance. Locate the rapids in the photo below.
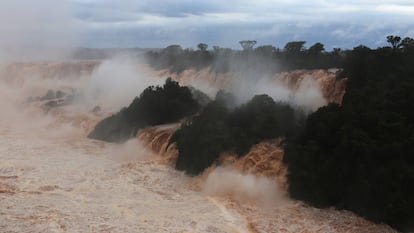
(54, 179)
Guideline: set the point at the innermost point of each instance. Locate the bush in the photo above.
(201, 140)
(217, 129)
(155, 105)
(261, 118)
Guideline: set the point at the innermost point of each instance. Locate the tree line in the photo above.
(294, 55)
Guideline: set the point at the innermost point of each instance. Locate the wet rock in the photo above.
(49, 95)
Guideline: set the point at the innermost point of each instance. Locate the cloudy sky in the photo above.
(149, 23)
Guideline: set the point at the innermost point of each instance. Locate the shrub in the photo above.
(217, 129)
(156, 105)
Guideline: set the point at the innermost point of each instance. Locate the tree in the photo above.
(203, 47)
(295, 47)
(173, 49)
(265, 50)
(394, 41)
(216, 48)
(259, 119)
(316, 49)
(407, 42)
(336, 51)
(247, 44)
(200, 140)
(155, 106)
(219, 128)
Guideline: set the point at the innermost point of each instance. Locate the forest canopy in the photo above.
(360, 155)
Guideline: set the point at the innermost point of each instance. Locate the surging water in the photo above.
(54, 179)
(77, 185)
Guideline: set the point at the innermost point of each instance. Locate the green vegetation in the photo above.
(156, 105)
(360, 156)
(357, 156)
(200, 140)
(217, 129)
(264, 58)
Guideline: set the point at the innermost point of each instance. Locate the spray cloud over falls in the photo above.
(32, 30)
(307, 96)
(116, 82)
(245, 187)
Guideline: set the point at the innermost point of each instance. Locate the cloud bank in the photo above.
(157, 24)
(36, 25)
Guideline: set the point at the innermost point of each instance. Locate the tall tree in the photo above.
(203, 47)
(316, 49)
(247, 44)
(265, 50)
(394, 41)
(295, 47)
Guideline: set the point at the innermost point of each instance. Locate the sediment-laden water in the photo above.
(54, 179)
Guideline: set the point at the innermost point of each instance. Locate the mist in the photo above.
(224, 182)
(307, 97)
(38, 30)
(33, 118)
(116, 82)
(247, 78)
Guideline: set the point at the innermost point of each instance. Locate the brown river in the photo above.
(54, 179)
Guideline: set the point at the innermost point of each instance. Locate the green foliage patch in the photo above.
(217, 129)
(360, 156)
(155, 106)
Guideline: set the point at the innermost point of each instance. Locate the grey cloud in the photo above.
(228, 35)
(145, 23)
(166, 8)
